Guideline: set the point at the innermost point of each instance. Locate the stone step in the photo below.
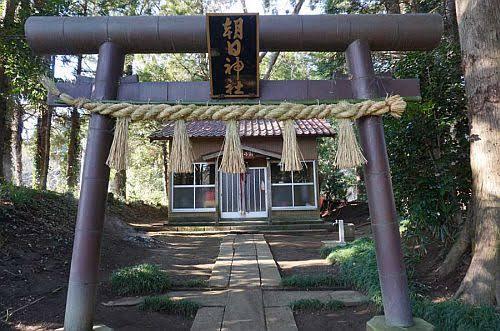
(246, 227)
(200, 233)
(258, 221)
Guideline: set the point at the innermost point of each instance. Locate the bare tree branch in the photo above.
(275, 55)
(244, 5)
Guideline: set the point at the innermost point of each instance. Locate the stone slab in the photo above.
(284, 298)
(124, 302)
(220, 273)
(280, 319)
(203, 298)
(99, 327)
(378, 323)
(332, 243)
(208, 319)
(244, 311)
(263, 249)
(221, 269)
(245, 272)
(245, 249)
(269, 273)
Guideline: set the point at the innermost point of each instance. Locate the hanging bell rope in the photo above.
(291, 157)
(348, 155)
(349, 152)
(182, 156)
(232, 155)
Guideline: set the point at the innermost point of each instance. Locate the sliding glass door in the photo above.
(244, 195)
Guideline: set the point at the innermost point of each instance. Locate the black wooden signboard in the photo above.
(233, 49)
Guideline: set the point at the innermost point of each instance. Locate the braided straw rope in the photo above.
(393, 105)
(349, 153)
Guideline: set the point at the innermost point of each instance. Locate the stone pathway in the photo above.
(248, 295)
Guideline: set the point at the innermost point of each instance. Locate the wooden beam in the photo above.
(271, 91)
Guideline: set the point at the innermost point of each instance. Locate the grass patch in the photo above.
(191, 283)
(307, 281)
(161, 303)
(358, 268)
(139, 279)
(315, 305)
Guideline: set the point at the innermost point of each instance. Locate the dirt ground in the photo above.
(36, 244)
(299, 254)
(180, 256)
(351, 318)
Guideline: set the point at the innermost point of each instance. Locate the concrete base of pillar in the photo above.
(377, 323)
(98, 327)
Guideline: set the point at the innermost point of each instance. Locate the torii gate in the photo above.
(113, 37)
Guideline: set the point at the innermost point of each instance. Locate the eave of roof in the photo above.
(248, 128)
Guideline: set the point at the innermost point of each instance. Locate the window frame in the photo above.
(194, 186)
(292, 185)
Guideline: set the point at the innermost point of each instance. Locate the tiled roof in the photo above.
(248, 128)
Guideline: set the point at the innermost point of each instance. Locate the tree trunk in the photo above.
(73, 168)
(392, 6)
(17, 143)
(3, 119)
(120, 183)
(478, 27)
(459, 248)
(42, 157)
(9, 11)
(166, 180)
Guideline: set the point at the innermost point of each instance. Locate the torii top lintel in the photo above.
(187, 34)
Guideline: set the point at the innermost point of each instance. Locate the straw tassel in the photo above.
(182, 150)
(118, 154)
(349, 153)
(232, 155)
(291, 156)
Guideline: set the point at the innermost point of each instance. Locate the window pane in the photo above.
(282, 196)
(304, 195)
(183, 198)
(306, 175)
(205, 197)
(183, 179)
(205, 174)
(278, 176)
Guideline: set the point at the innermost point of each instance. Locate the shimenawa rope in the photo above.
(348, 152)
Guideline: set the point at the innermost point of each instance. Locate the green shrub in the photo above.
(139, 279)
(453, 315)
(20, 196)
(161, 303)
(306, 281)
(315, 305)
(358, 268)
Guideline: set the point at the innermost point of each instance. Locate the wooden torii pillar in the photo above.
(113, 37)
